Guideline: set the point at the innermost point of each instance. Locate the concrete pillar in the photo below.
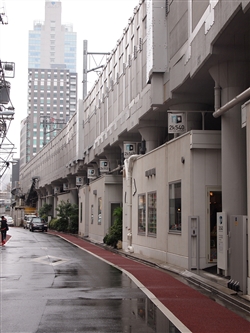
(231, 78)
(153, 135)
(41, 198)
(71, 181)
(114, 158)
(248, 185)
(49, 199)
(73, 195)
(54, 211)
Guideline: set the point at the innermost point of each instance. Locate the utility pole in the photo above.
(85, 65)
(48, 121)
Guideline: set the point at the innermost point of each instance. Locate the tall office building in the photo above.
(52, 81)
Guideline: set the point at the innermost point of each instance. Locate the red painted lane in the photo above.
(196, 311)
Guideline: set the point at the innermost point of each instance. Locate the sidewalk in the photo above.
(195, 312)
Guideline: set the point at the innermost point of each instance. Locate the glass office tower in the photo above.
(52, 81)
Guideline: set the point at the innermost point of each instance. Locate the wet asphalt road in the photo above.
(49, 285)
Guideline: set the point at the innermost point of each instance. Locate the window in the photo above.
(141, 213)
(152, 220)
(175, 206)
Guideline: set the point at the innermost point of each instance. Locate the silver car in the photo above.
(10, 221)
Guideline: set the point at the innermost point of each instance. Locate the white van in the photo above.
(26, 222)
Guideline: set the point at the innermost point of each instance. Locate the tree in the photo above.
(44, 211)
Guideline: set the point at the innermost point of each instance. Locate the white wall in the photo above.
(109, 189)
(200, 169)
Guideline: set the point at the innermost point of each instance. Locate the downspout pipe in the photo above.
(239, 98)
(128, 164)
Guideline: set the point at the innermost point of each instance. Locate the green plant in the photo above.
(73, 221)
(115, 231)
(68, 217)
(53, 224)
(44, 211)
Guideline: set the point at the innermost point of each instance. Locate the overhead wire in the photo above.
(8, 152)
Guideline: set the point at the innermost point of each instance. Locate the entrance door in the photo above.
(214, 206)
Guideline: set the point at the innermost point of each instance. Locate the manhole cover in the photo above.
(50, 260)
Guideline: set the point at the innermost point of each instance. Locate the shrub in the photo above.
(62, 225)
(53, 224)
(68, 217)
(115, 232)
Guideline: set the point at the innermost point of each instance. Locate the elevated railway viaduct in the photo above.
(164, 133)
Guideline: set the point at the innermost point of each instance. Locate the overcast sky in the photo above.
(100, 22)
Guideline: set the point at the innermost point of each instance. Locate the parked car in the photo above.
(26, 221)
(10, 221)
(37, 223)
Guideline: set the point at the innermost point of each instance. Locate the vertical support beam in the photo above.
(247, 106)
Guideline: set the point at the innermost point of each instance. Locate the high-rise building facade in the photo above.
(52, 81)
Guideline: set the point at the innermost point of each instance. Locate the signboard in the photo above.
(104, 166)
(79, 181)
(56, 189)
(91, 173)
(65, 186)
(129, 149)
(176, 123)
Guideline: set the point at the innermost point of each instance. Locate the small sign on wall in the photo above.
(91, 173)
(129, 149)
(65, 186)
(79, 181)
(104, 166)
(176, 123)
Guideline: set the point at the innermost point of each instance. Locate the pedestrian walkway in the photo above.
(195, 312)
